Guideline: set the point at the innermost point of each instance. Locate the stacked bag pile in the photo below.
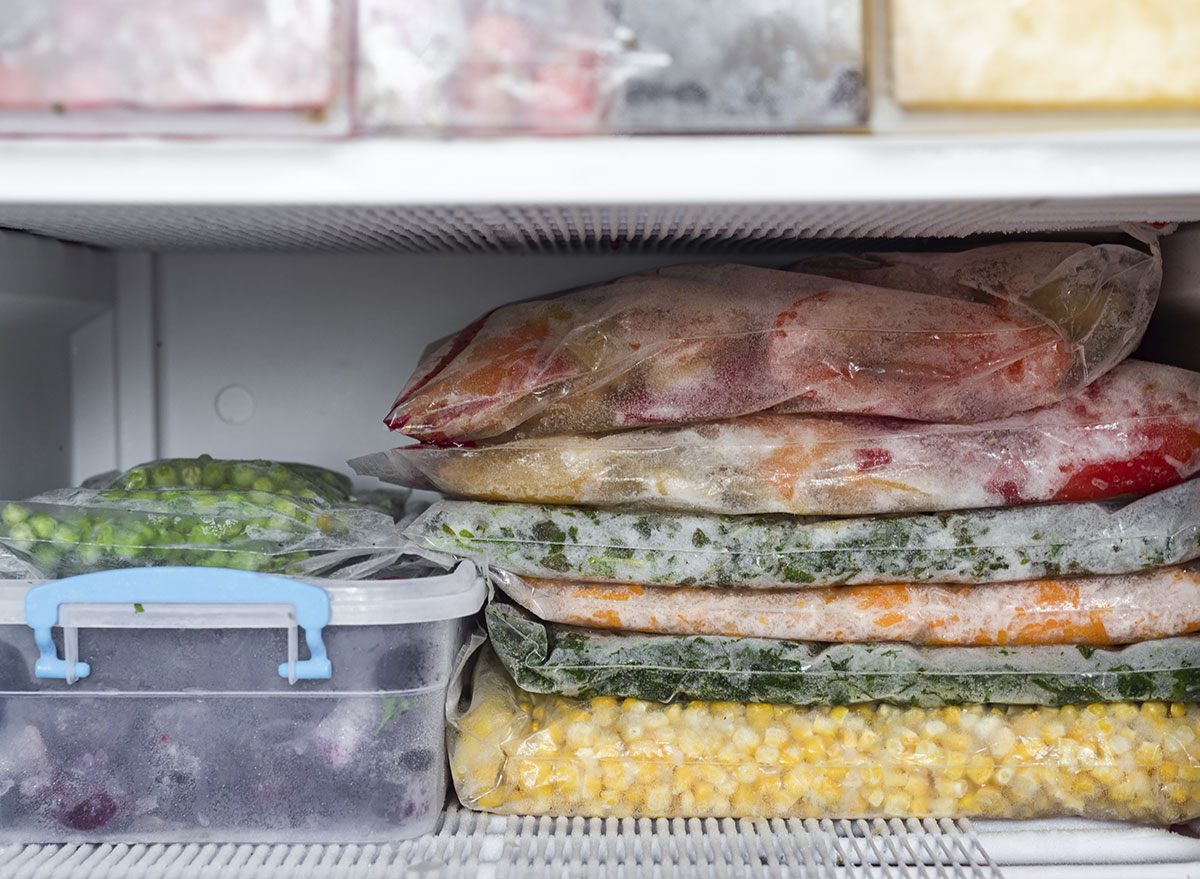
(893, 534)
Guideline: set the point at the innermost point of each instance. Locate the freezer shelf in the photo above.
(473, 844)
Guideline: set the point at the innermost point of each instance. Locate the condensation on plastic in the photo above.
(167, 54)
(1116, 609)
(575, 661)
(986, 54)
(1133, 431)
(987, 333)
(767, 552)
(75, 531)
(575, 66)
(519, 753)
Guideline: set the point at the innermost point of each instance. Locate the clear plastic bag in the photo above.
(167, 54)
(1098, 611)
(676, 549)
(205, 472)
(581, 662)
(574, 66)
(520, 753)
(74, 531)
(1031, 324)
(1133, 431)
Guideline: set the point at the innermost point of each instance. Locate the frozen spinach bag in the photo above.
(579, 662)
(772, 551)
(75, 531)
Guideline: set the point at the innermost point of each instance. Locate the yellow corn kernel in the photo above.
(759, 715)
(1178, 709)
(812, 749)
(980, 768)
(1149, 754)
(839, 713)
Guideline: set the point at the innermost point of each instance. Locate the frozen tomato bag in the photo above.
(779, 551)
(1116, 609)
(1002, 330)
(1133, 431)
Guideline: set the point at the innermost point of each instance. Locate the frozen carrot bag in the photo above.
(1024, 325)
(773, 551)
(1116, 609)
(1133, 431)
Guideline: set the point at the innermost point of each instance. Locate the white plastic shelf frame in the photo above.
(536, 195)
(479, 846)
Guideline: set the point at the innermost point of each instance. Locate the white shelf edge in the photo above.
(613, 170)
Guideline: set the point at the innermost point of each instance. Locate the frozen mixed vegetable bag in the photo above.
(979, 336)
(1114, 609)
(771, 551)
(527, 754)
(75, 531)
(1133, 431)
(572, 661)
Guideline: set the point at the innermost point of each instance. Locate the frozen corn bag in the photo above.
(770, 551)
(74, 531)
(574, 661)
(527, 754)
(1133, 431)
(694, 343)
(205, 472)
(1116, 609)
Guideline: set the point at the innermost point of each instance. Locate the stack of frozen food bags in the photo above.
(883, 535)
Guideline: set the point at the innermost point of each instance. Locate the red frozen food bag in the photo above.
(693, 343)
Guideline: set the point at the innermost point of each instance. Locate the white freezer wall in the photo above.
(299, 355)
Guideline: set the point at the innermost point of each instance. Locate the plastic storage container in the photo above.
(173, 704)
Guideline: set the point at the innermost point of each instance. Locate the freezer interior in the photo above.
(134, 331)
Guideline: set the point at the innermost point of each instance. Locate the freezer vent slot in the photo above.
(478, 846)
(564, 228)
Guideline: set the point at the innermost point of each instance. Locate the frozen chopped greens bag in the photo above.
(772, 551)
(580, 662)
(1133, 431)
(966, 337)
(1113, 609)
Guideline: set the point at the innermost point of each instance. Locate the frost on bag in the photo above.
(677, 549)
(557, 66)
(167, 54)
(75, 531)
(572, 661)
(1134, 431)
(527, 754)
(1117, 609)
(694, 343)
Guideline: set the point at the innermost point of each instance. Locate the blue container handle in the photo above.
(178, 585)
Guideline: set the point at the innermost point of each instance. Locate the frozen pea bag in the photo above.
(205, 472)
(74, 531)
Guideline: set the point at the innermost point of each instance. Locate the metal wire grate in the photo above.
(481, 846)
(563, 228)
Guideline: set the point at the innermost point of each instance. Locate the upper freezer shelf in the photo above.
(343, 67)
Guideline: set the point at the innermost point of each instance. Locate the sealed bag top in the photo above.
(932, 337)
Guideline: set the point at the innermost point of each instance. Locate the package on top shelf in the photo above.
(182, 725)
(1045, 53)
(613, 66)
(767, 552)
(960, 337)
(522, 753)
(1097, 611)
(172, 66)
(1134, 430)
(585, 662)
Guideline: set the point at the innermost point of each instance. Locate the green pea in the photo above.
(14, 514)
(214, 475)
(89, 554)
(263, 484)
(244, 475)
(43, 526)
(136, 478)
(191, 475)
(163, 476)
(65, 534)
